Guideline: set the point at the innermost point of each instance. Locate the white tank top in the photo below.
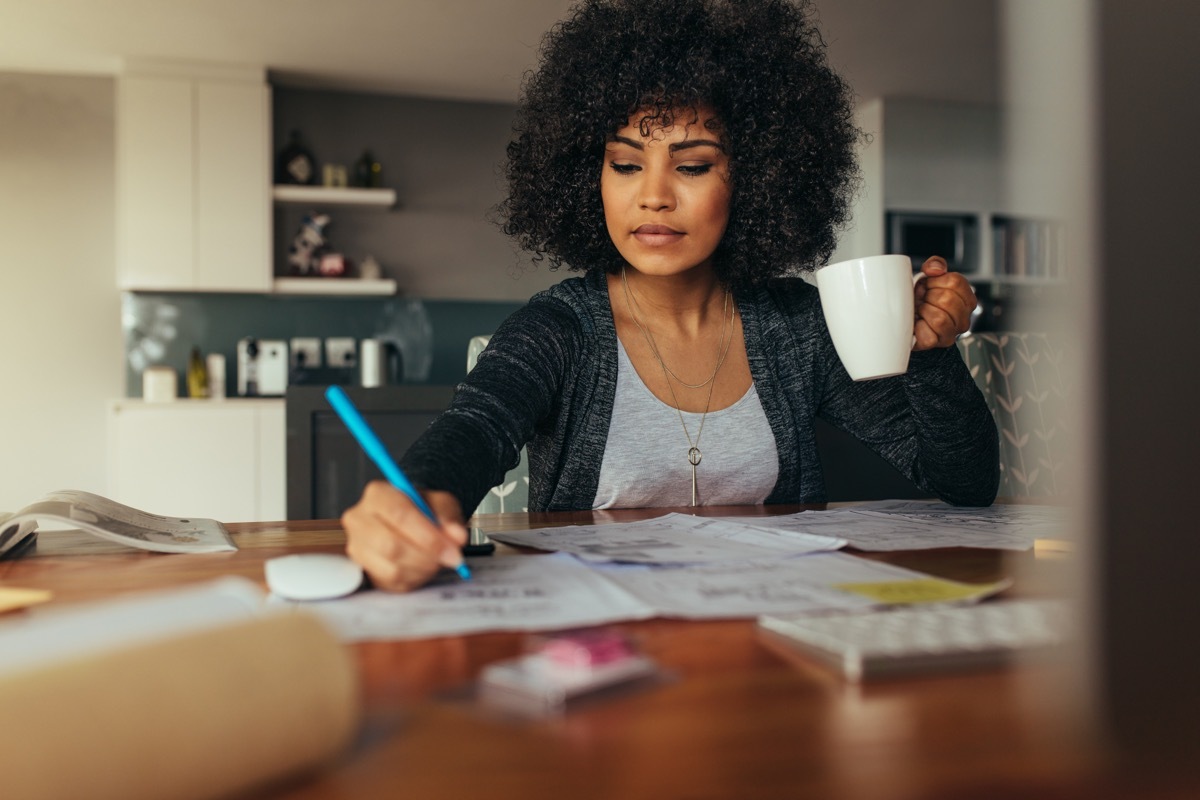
(645, 460)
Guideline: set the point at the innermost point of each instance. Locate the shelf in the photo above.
(328, 196)
(335, 286)
(1027, 249)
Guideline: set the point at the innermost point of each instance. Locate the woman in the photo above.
(686, 155)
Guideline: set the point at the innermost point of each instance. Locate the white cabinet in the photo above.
(193, 179)
(219, 459)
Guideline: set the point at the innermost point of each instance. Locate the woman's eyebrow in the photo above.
(690, 143)
(674, 148)
(634, 143)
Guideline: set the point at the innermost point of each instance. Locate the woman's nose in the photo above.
(654, 193)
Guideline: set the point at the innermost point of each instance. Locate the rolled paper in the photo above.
(200, 715)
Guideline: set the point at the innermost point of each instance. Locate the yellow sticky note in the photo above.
(922, 590)
(12, 599)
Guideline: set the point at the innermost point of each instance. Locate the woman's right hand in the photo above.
(397, 545)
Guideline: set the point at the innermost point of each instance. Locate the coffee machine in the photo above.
(262, 367)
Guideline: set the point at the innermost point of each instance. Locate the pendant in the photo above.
(694, 458)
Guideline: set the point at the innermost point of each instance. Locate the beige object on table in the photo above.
(200, 715)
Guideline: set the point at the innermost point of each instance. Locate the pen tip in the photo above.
(463, 572)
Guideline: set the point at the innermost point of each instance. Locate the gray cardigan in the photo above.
(548, 379)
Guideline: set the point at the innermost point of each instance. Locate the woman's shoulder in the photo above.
(581, 290)
(583, 299)
(795, 299)
(576, 305)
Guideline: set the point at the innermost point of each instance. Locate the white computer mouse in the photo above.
(313, 576)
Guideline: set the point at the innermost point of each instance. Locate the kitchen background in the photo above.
(456, 274)
(1095, 93)
(72, 329)
(441, 158)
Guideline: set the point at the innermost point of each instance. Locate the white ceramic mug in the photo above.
(868, 304)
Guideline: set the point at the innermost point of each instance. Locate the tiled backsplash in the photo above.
(162, 328)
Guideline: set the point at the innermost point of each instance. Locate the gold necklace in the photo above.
(726, 319)
(694, 455)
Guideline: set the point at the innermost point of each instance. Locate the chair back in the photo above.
(511, 494)
(1021, 377)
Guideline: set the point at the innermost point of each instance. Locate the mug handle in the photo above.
(917, 276)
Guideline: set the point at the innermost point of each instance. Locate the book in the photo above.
(115, 522)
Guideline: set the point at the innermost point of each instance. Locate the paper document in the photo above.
(914, 525)
(813, 583)
(124, 524)
(534, 593)
(674, 539)
(516, 593)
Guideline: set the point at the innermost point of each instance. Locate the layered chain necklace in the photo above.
(694, 455)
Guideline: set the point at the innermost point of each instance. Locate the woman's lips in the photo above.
(657, 235)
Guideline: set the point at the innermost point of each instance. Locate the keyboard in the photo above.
(866, 645)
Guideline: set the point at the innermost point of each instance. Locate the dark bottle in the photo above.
(368, 173)
(295, 163)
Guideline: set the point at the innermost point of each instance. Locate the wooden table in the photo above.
(738, 717)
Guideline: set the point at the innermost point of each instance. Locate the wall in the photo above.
(942, 156)
(60, 351)
(443, 159)
(864, 236)
(946, 156)
(924, 155)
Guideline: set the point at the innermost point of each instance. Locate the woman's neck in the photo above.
(685, 302)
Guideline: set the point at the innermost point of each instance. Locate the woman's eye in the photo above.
(623, 169)
(694, 169)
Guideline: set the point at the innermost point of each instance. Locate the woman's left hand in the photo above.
(942, 302)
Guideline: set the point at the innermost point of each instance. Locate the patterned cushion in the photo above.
(1021, 379)
(513, 493)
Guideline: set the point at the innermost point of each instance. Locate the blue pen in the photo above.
(378, 453)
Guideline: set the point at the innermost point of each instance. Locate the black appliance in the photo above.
(326, 469)
(920, 234)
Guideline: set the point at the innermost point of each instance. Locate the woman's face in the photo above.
(666, 195)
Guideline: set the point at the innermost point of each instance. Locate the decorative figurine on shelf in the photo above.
(295, 163)
(308, 245)
(332, 265)
(368, 173)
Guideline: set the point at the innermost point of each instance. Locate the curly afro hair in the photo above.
(785, 117)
